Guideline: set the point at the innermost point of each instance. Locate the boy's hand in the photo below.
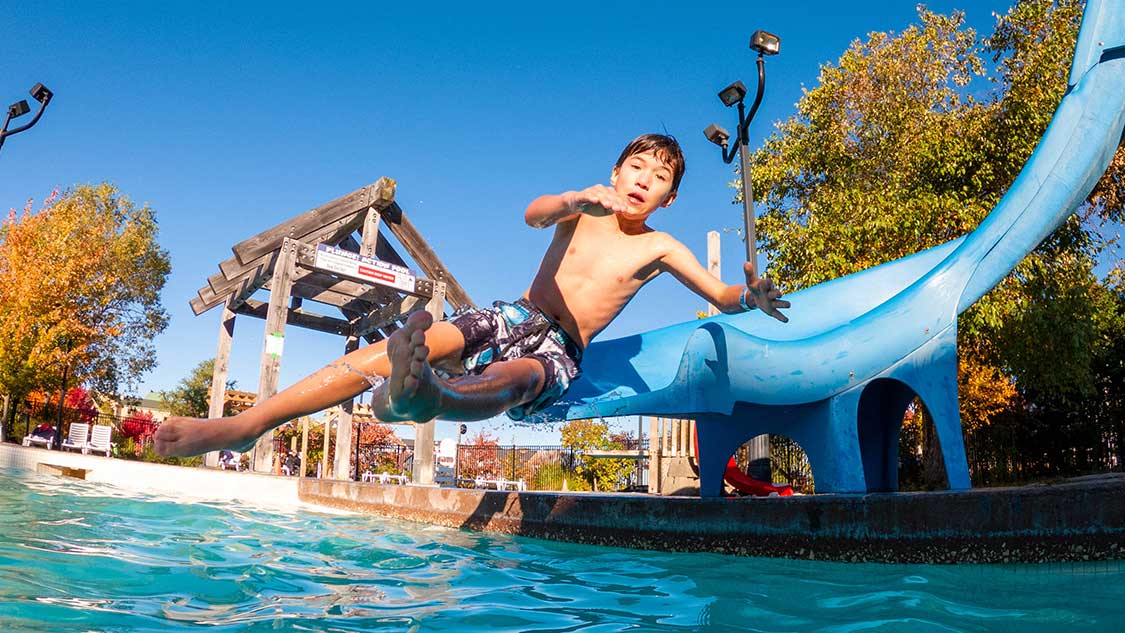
(598, 200)
(766, 296)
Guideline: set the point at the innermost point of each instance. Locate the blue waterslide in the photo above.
(838, 377)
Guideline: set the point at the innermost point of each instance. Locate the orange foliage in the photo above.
(984, 390)
(80, 282)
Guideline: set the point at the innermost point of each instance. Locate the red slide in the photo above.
(750, 486)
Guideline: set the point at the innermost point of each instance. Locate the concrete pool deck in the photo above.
(182, 484)
(1076, 520)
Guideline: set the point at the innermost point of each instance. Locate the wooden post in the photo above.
(274, 344)
(692, 449)
(324, 474)
(713, 263)
(676, 438)
(219, 378)
(304, 444)
(342, 465)
(666, 435)
(654, 455)
(424, 432)
(685, 438)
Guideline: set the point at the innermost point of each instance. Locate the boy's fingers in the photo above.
(773, 312)
(781, 303)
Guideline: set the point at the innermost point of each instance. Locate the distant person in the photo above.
(44, 431)
(292, 464)
(227, 460)
(517, 357)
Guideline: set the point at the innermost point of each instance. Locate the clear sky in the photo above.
(228, 118)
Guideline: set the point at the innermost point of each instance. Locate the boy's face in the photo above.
(645, 182)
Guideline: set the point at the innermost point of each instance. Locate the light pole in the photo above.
(40, 93)
(62, 395)
(735, 94)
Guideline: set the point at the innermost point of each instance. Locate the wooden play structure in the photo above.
(336, 255)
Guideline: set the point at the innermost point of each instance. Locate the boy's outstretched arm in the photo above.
(759, 292)
(549, 210)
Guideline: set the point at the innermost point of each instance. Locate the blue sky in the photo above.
(229, 118)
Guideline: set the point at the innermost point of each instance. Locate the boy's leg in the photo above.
(414, 392)
(338, 381)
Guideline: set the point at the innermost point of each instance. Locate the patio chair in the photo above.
(41, 437)
(76, 438)
(100, 440)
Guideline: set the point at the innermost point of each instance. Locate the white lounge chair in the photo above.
(76, 438)
(100, 440)
(36, 440)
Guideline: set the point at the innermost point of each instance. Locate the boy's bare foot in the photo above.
(412, 392)
(183, 437)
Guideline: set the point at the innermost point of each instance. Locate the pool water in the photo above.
(79, 556)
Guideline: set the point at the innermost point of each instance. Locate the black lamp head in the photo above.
(41, 93)
(18, 108)
(765, 43)
(733, 93)
(717, 134)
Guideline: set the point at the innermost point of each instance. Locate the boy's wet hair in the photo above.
(664, 147)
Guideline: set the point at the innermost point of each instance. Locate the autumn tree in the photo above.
(907, 142)
(192, 396)
(480, 457)
(80, 284)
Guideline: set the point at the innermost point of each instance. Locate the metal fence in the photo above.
(27, 416)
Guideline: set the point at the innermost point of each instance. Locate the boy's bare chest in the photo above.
(611, 255)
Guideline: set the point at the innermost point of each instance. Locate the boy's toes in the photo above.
(420, 319)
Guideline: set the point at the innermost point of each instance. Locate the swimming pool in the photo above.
(82, 556)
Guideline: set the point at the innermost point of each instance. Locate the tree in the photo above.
(600, 473)
(899, 148)
(192, 396)
(80, 286)
(480, 457)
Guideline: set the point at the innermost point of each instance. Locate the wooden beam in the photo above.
(427, 259)
(298, 318)
(332, 233)
(234, 292)
(370, 234)
(379, 195)
(388, 315)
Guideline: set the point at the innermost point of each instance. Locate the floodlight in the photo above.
(733, 93)
(765, 43)
(41, 93)
(717, 134)
(18, 109)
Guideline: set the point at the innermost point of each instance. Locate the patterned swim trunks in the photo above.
(508, 331)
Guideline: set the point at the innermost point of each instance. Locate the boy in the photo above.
(520, 357)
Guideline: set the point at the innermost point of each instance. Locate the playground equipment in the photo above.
(837, 378)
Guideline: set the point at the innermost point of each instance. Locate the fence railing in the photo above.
(27, 416)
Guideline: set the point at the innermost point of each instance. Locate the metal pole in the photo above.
(358, 436)
(748, 206)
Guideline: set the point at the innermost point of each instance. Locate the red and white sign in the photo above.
(356, 266)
